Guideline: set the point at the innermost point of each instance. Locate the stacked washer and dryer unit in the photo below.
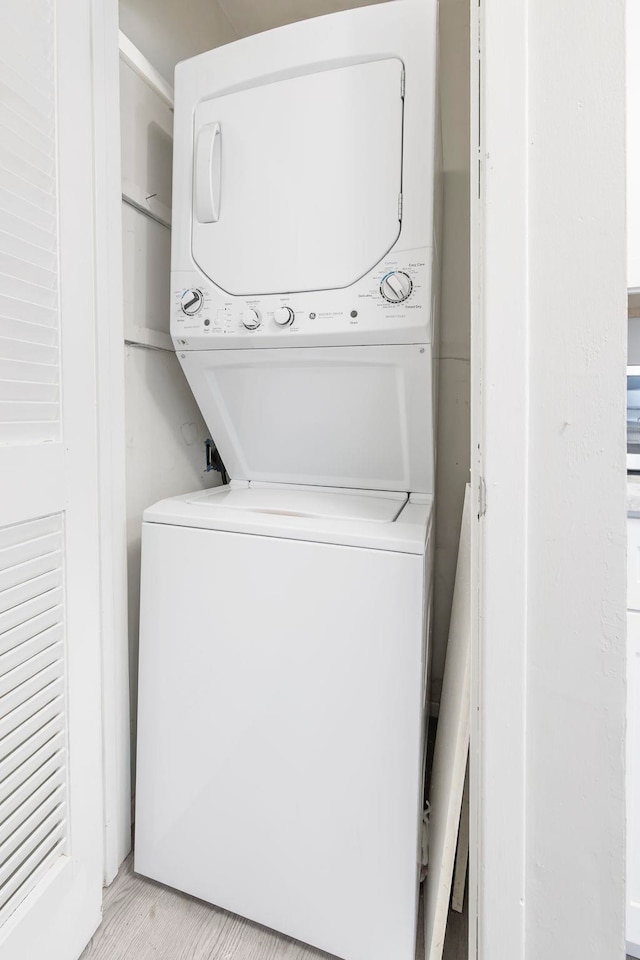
(285, 616)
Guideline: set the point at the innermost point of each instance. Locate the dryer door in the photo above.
(296, 183)
(336, 416)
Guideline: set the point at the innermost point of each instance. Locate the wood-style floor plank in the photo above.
(143, 920)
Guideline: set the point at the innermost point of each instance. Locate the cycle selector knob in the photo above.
(396, 286)
(191, 301)
(284, 316)
(251, 319)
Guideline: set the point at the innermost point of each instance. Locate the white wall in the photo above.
(633, 143)
(167, 31)
(453, 401)
(165, 432)
(577, 477)
(549, 355)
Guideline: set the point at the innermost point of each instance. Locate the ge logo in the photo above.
(312, 316)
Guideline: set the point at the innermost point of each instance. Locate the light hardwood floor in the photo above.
(146, 921)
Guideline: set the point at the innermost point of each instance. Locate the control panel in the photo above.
(390, 305)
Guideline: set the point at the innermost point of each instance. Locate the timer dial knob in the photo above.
(251, 319)
(396, 286)
(191, 301)
(284, 316)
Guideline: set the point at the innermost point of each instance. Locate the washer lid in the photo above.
(305, 503)
(354, 417)
(358, 518)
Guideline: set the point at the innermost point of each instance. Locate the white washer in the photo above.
(284, 618)
(283, 666)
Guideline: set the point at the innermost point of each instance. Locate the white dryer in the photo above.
(284, 617)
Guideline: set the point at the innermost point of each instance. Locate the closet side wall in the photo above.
(165, 432)
(454, 352)
(167, 31)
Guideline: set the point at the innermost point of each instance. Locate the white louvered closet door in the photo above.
(50, 747)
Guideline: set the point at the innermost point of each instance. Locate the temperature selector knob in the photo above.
(251, 319)
(191, 302)
(284, 316)
(396, 286)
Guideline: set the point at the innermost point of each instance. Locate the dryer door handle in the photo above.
(207, 173)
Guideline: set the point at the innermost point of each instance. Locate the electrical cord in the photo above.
(213, 461)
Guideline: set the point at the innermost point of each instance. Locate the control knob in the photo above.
(284, 316)
(251, 319)
(396, 286)
(191, 301)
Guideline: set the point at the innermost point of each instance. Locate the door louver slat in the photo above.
(26, 190)
(33, 759)
(28, 431)
(18, 149)
(28, 350)
(31, 84)
(42, 782)
(26, 232)
(44, 712)
(35, 848)
(41, 540)
(25, 535)
(32, 870)
(17, 309)
(27, 755)
(30, 822)
(22, 95)
(29, 649)
(21, 684)
(23, 331)
(28, 229)
(29, 708)
(29, 775)
(15, 412)
(27, 631)
(24, 390)
(11, 576)
(29, 590)
(28, 372)
(27, 251)
(29, 608)
(25, 270)
(13, 286)
(38, 139)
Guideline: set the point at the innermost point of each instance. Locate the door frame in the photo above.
(548, 478)
(111, 437)
(499, 290)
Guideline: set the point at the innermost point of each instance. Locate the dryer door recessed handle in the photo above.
(207, 173)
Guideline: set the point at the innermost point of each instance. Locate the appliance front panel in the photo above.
(296, 183)
(358, 417)
(281, 731)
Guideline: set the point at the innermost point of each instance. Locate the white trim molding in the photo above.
(500, 414)
(111, 438)
(548, 448)
(138, 62)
